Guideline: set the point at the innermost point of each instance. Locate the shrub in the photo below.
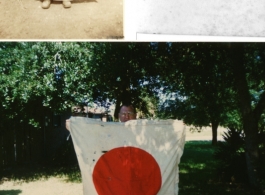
(231, 156)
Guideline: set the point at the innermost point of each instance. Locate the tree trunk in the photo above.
(214, 132)
(252, 155)
(250, 120)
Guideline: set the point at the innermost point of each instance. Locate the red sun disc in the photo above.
(127, 171)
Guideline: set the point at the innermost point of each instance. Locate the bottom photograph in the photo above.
(141, 118)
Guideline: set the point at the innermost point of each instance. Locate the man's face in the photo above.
(126, 114)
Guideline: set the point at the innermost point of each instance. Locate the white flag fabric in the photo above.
(138, 157)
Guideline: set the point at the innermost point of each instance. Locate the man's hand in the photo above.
(67, 124)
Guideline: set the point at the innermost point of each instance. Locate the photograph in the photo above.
(197, 18)
(145, 118)
(61, 19)
(132, 97)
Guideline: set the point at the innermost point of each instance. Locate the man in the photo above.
(46, 3)
(127, 112)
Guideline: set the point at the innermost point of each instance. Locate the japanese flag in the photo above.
(138, 157)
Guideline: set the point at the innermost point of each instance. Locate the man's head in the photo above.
(127, 112)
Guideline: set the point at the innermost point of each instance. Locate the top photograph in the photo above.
(61, 19)
(132, 20)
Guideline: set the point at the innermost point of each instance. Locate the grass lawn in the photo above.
(198, 174)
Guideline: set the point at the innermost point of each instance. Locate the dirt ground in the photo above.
(86, 19)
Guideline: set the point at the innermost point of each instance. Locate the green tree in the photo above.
(123, 72)
(219, 83)
(197, 77)
(56, 75)
(247, 61)
(42, 74)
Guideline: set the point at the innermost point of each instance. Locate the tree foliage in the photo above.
(249, 82)
(42, 75)
(123, 73)
(219, 83)
(57, 75)
(200, 81)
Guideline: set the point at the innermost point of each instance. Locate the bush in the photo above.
(64, 155)
(231, 156)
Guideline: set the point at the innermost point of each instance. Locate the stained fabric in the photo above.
(139, 157)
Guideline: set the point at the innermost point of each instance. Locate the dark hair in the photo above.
(128, 105)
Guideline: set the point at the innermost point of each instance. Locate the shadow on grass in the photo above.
(10, 192)
(69, 173)
(198, 174)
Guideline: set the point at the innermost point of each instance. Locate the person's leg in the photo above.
(66, 3)
(46, 4)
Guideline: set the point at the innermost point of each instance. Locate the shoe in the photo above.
(46, 4)
(66, 3)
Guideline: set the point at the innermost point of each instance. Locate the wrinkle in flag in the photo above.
(139, 157)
